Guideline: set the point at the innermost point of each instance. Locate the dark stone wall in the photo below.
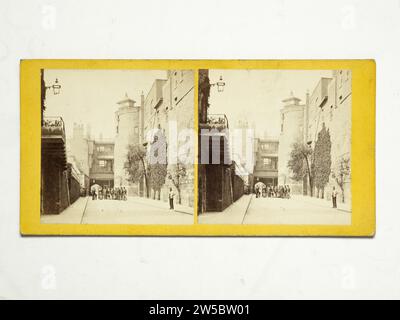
(227, 188)
(214, 183)
(74, 187)
(59, 188)
(54, 186)
(238, 187)
(223, 187)
(50, 187)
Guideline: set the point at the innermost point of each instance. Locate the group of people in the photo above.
(273, 191)
(108, 193)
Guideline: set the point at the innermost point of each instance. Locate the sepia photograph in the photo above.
(275, 147)
(117, 146)
(195, 148)
(176, 153)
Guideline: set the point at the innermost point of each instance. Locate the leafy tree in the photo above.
(136, 166)
(176, 175)
(342, 173)
(157, 175)
(300, 163)
(322, 159)
(157, 158)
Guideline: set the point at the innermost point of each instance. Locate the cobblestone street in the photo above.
(295, 211)
(146, 211)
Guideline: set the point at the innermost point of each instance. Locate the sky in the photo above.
(256, 95)
(91, 96)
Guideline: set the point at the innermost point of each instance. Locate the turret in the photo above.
(127, 124)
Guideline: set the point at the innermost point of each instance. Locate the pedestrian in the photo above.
(288, 191)
(334, 197)
(171, 196)
(125, 194)
(258, 192)
(100, 193)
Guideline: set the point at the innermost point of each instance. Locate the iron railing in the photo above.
(53, 126)
(218, 120)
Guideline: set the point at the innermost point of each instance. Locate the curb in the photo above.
(247, 208)
(84, 210)
(185, 212)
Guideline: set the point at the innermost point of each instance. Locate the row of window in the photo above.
(269, 146)
(103, 163)
(269, 163)
(103, 149)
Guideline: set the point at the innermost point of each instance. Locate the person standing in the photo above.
(171, 196)
(334, 198)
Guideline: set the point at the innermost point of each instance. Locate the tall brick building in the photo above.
(329, 106)
(168, 107)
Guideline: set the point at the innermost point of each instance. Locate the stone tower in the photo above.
(292, 121)
(127, 122)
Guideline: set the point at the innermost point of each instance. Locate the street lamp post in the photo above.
(56, 87)
(220, 84)
(56, 90)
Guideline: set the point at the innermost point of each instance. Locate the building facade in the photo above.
(93, 160)
(102, 163)
(329, 106)
(266, 162)
(81, 177)
(243, 150)
(168, 109)
(78, 147)
(79, 150)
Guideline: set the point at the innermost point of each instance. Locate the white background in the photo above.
(129, 267)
